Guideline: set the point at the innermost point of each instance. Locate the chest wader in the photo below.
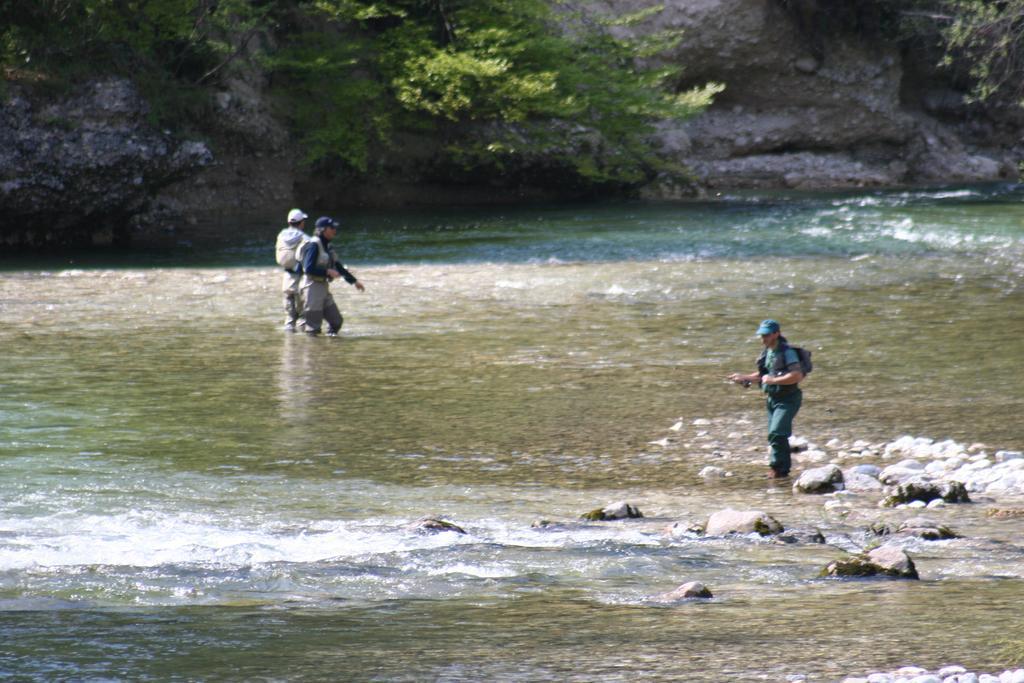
(783, 403)
(318, 304)
(290, 282)
(781, 411)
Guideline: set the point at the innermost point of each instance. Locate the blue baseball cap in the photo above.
(326, 222)
(767, 327)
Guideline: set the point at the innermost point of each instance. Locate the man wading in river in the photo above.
(319, 267)
(779, 372)
(288, 242)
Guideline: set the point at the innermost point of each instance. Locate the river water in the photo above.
(189, 493)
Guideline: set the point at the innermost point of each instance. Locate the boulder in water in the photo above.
(617, 510)
(886, 560)
(731, 521)
(687, 591)
(824, 479)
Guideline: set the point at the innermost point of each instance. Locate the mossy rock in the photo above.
(855, 566)
(887, 560)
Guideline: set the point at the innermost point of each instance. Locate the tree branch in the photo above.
(231, 57)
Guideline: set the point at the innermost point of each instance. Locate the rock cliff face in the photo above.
(805, 112)
(799, 111)
(88, 168)
(78, 168)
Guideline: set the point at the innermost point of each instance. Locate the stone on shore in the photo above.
(618, 510)
(947, 674)
(1001, 474)
(824, 479)
(730, 521)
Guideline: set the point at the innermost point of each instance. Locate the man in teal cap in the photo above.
(779, 373)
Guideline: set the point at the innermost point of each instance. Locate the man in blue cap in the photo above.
(320, 265)
(779, 373)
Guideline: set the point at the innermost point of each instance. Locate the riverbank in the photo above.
(813, 105)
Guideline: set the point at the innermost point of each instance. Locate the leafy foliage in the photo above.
(989, 36)
(504, 79)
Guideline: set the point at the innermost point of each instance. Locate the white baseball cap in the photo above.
(296, 216)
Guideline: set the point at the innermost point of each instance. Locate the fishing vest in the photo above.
(324, 257)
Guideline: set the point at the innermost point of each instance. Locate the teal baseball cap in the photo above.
(767, 327)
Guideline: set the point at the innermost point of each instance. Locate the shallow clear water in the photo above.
(187, 492)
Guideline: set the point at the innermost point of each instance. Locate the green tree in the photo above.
(522, 64)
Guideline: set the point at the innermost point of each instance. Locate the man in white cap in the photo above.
(288, 242)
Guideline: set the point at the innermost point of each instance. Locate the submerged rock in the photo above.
(809, 536)
(612, 511)
(886, 560)
(1005, 513)
(682, 529)
(825, 479)
(687, 591)
(712, 472)
(731, 521)
(433, 525)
